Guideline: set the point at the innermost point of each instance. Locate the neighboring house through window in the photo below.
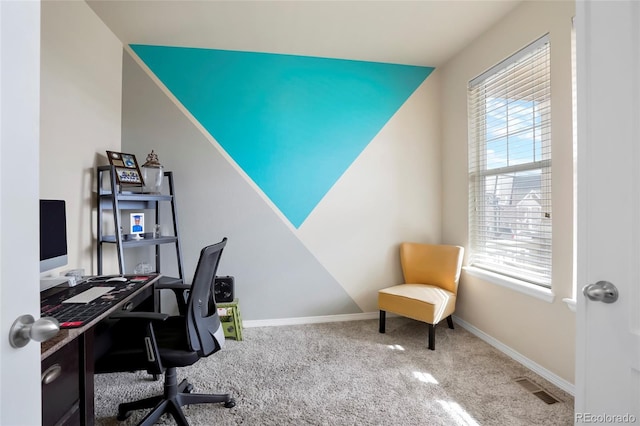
(510, 167)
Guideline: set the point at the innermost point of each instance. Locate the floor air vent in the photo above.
(536, 390)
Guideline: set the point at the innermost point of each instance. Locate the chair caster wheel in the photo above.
(189, 388)
(122, 416)
(230, 403)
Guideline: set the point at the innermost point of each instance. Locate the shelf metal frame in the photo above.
(116, 202)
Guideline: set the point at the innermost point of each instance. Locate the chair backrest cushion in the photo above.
(433, 264)
(204, 328)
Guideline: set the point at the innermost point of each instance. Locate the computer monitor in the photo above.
(53, 234)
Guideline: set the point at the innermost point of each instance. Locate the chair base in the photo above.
(175, 396)
(432, 328)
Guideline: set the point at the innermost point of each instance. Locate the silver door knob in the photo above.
(25, 329)
(602, 291)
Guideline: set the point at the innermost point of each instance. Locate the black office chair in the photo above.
(160, 343)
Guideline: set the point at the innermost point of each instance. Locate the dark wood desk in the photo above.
(67, 364)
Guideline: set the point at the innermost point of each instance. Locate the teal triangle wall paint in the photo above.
(294, 124)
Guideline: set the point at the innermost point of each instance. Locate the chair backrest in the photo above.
(433, 264)
(204, 329)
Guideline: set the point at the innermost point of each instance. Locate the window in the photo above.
(510, 167)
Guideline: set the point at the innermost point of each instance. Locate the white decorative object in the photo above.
(152, 174)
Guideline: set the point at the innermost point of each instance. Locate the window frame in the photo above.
(478, 172)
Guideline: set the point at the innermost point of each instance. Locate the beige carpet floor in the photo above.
(346, 373)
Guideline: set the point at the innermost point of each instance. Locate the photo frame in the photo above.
(136, 223)
(126, 168)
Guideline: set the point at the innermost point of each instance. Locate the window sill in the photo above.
(512, 283)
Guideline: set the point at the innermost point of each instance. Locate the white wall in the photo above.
(542, 332)
(81, 96)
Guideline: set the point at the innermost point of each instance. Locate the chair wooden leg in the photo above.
(383, 318)
(450, 322)
(432, 337)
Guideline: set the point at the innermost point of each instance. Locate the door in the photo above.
(19, 165)
(608, 334)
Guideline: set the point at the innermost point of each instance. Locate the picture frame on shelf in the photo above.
(126, 167)
(136, 224)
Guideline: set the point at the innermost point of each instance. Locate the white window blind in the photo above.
(510, 166)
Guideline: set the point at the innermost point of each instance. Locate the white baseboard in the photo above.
(536, 368)
(309, 320)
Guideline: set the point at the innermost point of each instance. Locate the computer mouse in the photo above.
(121, 279)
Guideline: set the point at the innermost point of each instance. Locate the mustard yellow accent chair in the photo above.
(431, 274)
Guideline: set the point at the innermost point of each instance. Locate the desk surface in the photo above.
(64, 336)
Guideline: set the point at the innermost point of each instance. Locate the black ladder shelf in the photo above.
(115, 202)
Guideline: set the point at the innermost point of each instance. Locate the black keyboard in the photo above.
(73, 315)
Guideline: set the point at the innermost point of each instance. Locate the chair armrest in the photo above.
(181, 290)
(140, 325)
(147, 316)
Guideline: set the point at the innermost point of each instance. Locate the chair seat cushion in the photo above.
(421, 302)
(173, 343)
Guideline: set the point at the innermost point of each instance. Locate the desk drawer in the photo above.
(61, 393)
